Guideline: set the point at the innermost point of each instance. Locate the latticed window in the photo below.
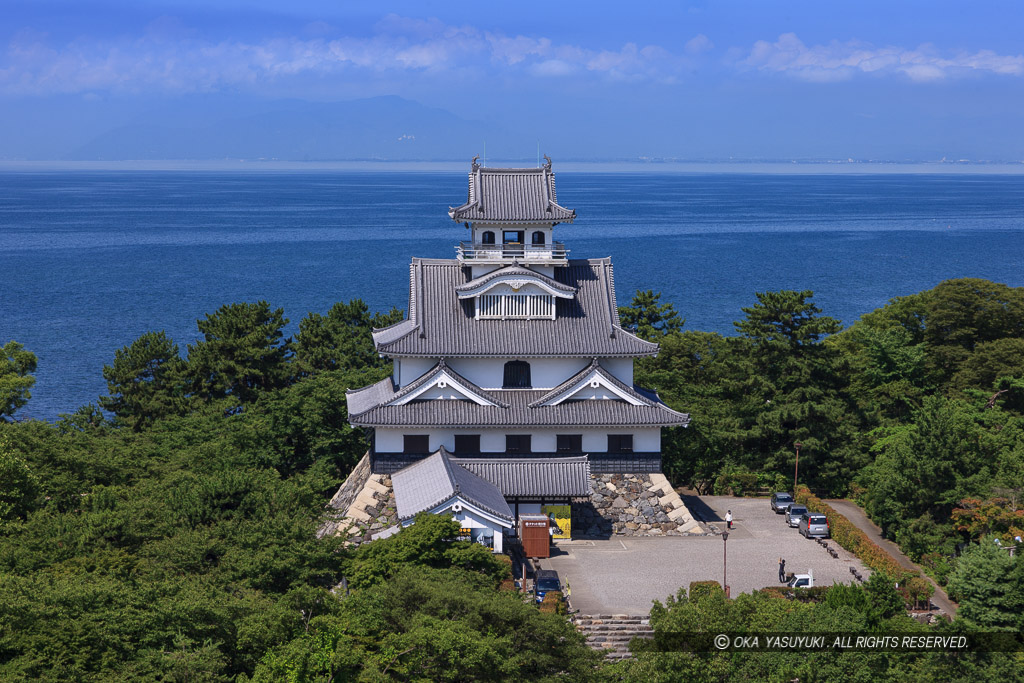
(516, 306)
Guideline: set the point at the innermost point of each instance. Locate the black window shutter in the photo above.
(620, 443)
(517, 375)
(517, 443)
(415, 444)
(467, 444)
(569, 443)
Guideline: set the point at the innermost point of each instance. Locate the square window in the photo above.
(467, 444)
(517, 443)
(569, 443)
(415, 444)
(620, 443)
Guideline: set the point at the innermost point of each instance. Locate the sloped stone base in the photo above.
(620, 505)
(633, 505)
(363, 506)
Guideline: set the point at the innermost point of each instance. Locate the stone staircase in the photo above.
(613, 632)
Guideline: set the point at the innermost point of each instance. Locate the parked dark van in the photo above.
(547, 580)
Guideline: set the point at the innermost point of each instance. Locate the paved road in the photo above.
(623, 575)
(859, 519)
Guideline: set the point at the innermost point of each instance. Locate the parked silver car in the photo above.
(794, 513)
(814, 525)
(781, 501)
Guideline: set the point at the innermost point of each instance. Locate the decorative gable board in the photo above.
(515, 284)
(594, 385)
(441, 387)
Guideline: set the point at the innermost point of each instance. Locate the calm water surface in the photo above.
(91, 260)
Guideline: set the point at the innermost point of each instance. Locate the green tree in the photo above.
(308, 422)
(652, 318)
(145, 381)
(692, 373)
(425, 543)
(793, 390)
(243, 352)
(987, 584)
(960, 314)
(427, 624)
(990, 361)
(16, 368)
(341, 340)
(19, 486)
(928, 466)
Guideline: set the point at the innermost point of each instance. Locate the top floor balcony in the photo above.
(554, 253)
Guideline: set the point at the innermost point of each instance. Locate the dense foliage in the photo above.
(169, 532)
(874, 608)
(917, 409)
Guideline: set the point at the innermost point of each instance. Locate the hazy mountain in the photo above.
(375, 128)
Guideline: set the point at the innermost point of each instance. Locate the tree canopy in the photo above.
(16, 368)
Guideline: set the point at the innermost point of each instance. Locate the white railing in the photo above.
(469, 251)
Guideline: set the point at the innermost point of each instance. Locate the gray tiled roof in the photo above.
(511, 195)
(440, 325)
(435, 480)
(520, 410)
(533, 477)
(515, 270)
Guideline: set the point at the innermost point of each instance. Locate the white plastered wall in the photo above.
(489, 373)
(645, 439)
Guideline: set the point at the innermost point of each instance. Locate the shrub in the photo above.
(700, 589)
(853, 539)
(554, 603)
(736, 481)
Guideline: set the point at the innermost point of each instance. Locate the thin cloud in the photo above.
(839, 61)
(174, 60)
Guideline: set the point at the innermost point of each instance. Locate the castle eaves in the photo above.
(441, 325)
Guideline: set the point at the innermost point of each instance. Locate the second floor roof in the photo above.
(440, 324)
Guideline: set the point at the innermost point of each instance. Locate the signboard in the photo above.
(561, 515)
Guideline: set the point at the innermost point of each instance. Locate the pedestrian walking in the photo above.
(782, 570)
(728, 519)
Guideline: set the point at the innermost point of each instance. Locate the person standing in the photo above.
(728, 519)
(782, 570)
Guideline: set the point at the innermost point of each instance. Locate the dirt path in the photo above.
(859, 519)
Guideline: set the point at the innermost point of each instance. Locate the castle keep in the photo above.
(512, 389)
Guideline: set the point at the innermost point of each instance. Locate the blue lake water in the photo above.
(90, 260)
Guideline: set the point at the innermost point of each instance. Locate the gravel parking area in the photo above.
(623, 575)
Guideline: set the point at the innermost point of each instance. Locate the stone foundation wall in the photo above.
(620, 505)
(633, 505)
(363, 506)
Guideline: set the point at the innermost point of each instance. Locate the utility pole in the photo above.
(796, 468)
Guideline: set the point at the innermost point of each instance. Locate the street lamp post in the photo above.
(725, 562)
(796, 468)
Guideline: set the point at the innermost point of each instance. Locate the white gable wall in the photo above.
(470, 518)
(620, 368)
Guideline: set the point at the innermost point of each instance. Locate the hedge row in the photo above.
(853, 539)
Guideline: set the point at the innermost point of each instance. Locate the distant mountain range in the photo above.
(387, 128)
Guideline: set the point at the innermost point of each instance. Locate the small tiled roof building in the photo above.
(512, 359)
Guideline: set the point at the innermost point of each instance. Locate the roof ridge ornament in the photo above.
(547, 162)
(476, 164)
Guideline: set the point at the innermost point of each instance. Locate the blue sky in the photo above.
(701, 80)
